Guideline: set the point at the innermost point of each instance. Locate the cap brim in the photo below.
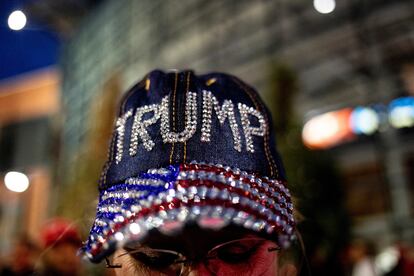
(167, 199)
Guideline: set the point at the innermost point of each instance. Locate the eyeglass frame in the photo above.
(186, 260)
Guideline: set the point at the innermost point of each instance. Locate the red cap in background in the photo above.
(59, 230)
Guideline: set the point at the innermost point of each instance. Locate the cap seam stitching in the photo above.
(185, 96)
(173, 115)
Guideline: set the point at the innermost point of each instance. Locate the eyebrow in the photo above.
(188, 242)
(177, 245)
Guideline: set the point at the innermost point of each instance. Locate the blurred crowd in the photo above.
(55, 252)
(364, 259)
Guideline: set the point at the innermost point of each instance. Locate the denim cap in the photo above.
(186, 149)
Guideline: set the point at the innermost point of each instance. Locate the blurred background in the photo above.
(337, 75)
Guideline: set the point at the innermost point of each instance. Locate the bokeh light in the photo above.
(17, 20)
(324, 6)
(386, 260)
(327, 129)
(401, 113)
(364, 120)
(16, 182)
(320, 128)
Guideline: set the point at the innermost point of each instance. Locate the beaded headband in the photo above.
(152, 186)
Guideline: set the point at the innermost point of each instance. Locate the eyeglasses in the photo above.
(248, 256)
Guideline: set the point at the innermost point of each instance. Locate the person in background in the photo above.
(405, 262)
(22, 258)
(60, 242)
(361, 254)
(193, 184)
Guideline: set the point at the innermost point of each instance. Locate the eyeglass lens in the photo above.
(240, 257)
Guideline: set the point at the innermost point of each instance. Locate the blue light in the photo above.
(364, 120)
(401, 112)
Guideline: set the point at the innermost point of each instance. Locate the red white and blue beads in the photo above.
(167, 198)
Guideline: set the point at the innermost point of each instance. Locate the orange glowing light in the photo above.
(328, 129)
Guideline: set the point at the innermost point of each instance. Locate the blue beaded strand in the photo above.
(169, 178)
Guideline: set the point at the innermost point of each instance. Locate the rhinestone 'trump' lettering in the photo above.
(139, 128)
(190, 120)
(245, 111)
(120, 129)
(225, 111)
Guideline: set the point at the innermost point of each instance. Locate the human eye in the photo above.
(237, 252)
(154, 259)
